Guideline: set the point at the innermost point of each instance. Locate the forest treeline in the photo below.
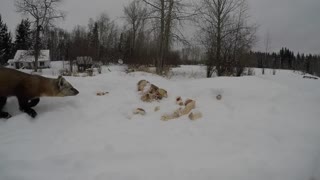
(152, 33)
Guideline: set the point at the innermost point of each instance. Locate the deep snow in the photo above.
(264, 128)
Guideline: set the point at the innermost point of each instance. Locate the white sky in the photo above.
(291, 23)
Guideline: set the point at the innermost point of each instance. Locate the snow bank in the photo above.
(265, 127)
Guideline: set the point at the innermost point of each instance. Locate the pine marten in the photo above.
(29, 88)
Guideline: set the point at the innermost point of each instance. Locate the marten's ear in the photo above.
(60, 82)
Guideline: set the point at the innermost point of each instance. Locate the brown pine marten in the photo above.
(29, 88)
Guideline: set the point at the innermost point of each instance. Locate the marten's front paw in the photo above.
(5, 115)
(32, 113)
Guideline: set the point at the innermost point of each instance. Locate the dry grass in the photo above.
(148, 69)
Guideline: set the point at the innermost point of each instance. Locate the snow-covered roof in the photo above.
(11, 60)
(28, 56)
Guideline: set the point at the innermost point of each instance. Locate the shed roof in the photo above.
(28, 56)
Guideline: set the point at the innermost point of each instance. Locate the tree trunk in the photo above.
(219, 40)
(37, 46)
(159, 60)
(167, 34)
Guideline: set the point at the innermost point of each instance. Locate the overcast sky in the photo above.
(291, 23)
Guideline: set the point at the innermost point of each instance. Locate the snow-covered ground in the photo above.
(264, 128)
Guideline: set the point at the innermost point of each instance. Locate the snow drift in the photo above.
(264, 127)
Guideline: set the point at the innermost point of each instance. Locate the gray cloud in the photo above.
(291, 23)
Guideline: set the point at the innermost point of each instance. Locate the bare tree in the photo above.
(166, 16)
(267, 48)
(44, 12)
(79, 42)
(242, 37)
(136, 16)
(191, 54)
(107, 37)
(225, 33)
(267, 43)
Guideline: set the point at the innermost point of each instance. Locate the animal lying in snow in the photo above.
(29, 88)
(150, 92)
(189, 105)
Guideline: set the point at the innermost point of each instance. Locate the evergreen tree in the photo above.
(5, 43)
(308, 64)
(299, 61)
(282, 58)
(94, 42)
(23, 36)
(1, 41)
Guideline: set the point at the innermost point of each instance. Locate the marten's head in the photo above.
(65, 88)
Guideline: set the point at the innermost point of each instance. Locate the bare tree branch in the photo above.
(225, 33)
(44, 12)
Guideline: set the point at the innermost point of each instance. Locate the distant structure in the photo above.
(84, 63)
(24, 59)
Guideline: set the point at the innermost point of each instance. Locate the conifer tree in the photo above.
(5, 43)
(23, 36)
